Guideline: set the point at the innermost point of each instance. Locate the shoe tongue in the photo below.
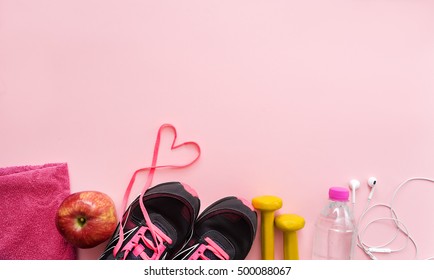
(222, 242)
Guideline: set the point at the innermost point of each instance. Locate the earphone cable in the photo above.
(400, 226)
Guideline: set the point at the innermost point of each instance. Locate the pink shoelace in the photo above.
(158, 237)
(216, 250)
(140, 244)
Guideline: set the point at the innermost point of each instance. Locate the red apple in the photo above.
(87, 218)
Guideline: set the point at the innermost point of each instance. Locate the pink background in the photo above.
(284, 97)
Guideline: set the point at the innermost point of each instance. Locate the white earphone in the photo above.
(372, 182)
(354, 185)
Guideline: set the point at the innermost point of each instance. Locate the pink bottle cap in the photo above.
(339, 193)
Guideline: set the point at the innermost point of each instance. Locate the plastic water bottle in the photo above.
(335, 231)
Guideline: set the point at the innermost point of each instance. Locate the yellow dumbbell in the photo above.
(267, 205)
(289, 224)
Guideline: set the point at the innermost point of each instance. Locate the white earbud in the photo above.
(372, 182)
(354, 185)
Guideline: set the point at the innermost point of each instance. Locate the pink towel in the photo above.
(30, 196)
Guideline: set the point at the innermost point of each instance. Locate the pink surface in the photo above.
(284, 97)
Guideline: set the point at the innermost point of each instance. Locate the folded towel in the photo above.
(30, 197)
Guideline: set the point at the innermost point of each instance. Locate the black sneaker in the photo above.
(172, 208)
(224, 231)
